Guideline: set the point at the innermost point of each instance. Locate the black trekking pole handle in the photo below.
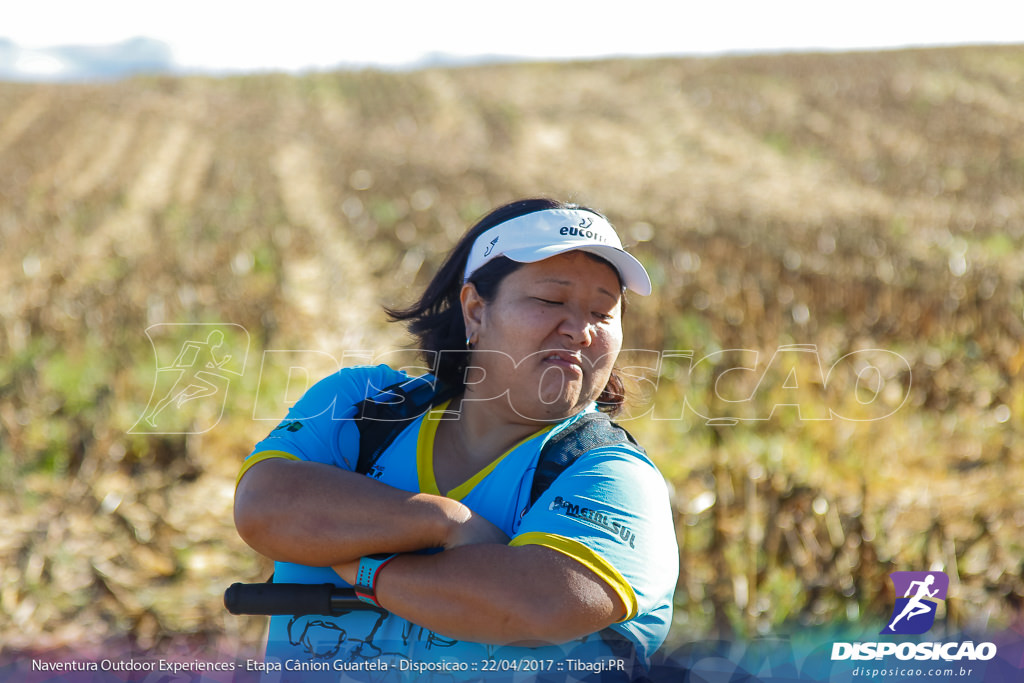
(297, 599)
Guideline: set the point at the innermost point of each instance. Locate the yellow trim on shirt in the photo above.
(425, 450)
(425, 457)
(260, 457)
(589, 559)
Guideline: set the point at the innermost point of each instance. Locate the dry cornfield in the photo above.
(868, 204)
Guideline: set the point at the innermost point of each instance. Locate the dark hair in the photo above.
(435, 320)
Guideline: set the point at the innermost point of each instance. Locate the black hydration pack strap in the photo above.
(382, 417)
(592, 430)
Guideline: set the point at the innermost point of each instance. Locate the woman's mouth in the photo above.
(566, 360)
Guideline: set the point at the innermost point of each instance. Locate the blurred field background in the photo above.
(843, 203)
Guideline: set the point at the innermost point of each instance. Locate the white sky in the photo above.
(300, 34)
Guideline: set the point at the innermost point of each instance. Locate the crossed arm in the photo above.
(479, 589)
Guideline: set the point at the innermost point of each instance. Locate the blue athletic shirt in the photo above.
(610, 511)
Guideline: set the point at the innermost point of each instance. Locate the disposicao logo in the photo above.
(914, 612)
(917, 598)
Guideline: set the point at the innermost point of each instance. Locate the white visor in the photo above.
(542, 234)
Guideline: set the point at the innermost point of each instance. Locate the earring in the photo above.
(469, 343)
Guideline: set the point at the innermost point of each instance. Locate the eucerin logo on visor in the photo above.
(584, 230)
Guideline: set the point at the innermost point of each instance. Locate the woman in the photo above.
(522, 324)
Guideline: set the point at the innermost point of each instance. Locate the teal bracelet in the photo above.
(366, 578)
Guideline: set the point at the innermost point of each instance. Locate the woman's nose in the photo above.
(577, 328)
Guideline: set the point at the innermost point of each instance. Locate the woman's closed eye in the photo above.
(598, 315)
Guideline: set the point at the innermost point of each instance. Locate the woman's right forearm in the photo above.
(319, 515)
